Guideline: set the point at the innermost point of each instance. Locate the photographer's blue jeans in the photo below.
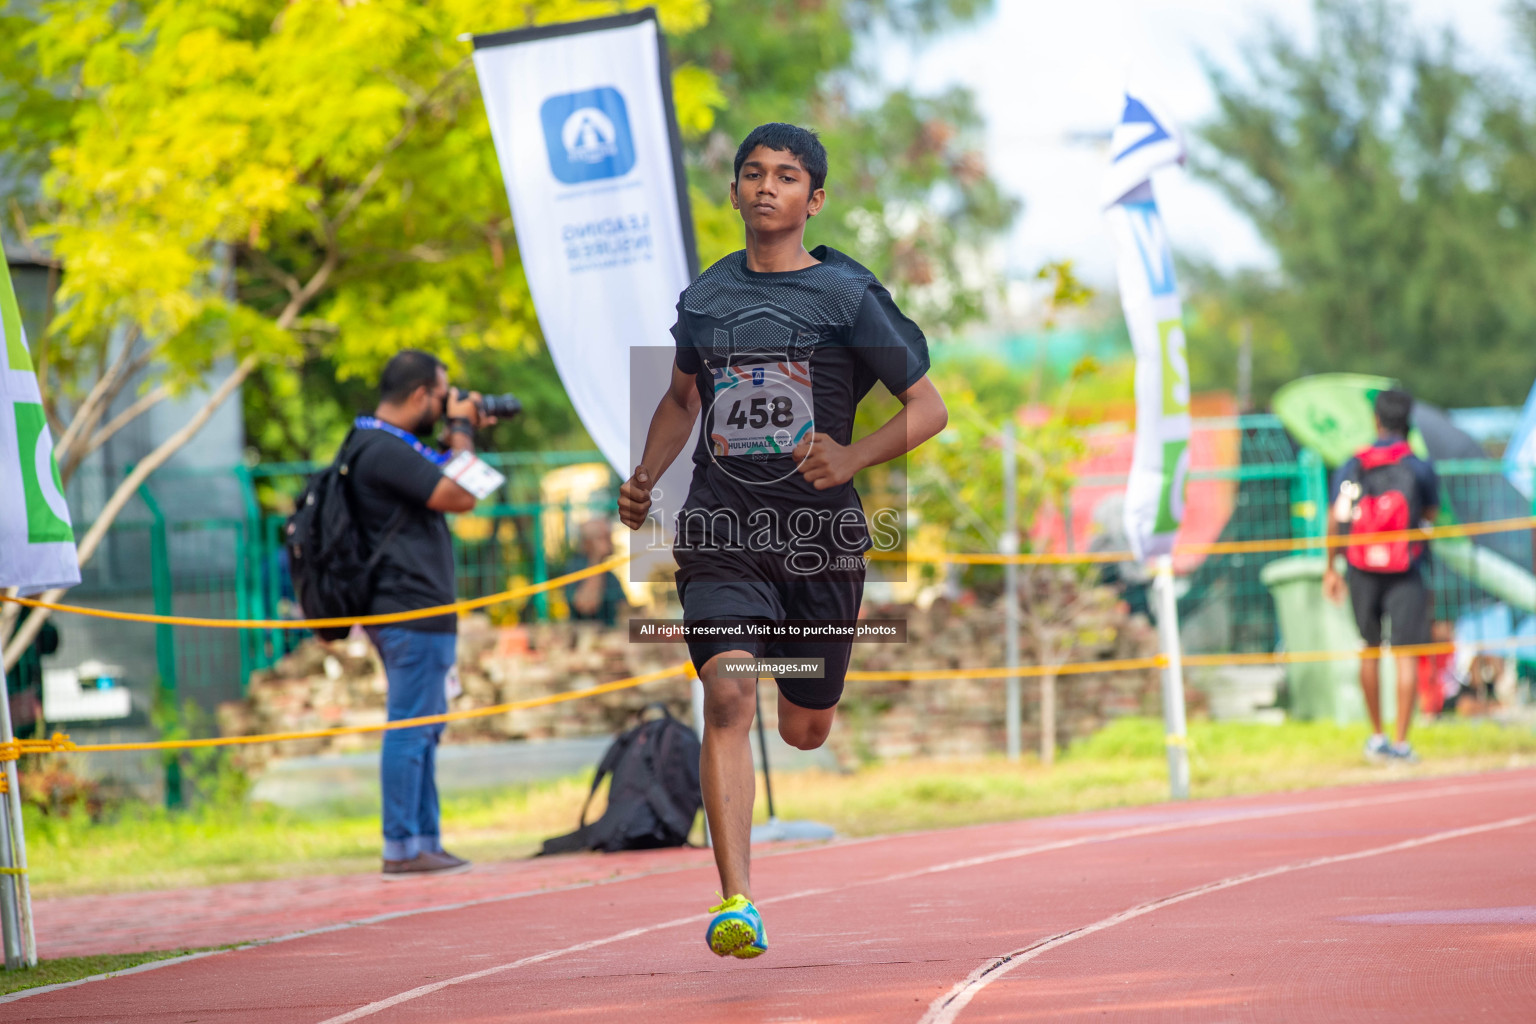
(416, 664)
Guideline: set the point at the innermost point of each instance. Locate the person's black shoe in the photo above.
(424, 864)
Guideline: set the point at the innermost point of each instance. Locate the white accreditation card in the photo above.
(466, 470)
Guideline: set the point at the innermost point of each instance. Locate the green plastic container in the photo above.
(1310, 622)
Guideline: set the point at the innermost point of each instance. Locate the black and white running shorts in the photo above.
(740, 586)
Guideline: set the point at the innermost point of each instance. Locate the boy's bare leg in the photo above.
(1407, 691)
(804, 728)
(726, 773)
(1370, 684)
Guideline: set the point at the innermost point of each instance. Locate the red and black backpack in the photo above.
(1388, 501)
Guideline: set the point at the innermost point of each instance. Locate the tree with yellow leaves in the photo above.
(233, 185)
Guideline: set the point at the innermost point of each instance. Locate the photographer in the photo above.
(401, 491)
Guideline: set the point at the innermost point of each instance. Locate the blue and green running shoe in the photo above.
(737, 929)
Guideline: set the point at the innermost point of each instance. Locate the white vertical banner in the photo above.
(1149, 293)
(581, 114)
(37, 541)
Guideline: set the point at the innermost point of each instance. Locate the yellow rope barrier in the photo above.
(1023, 671)
(59, 742)
(1309, 657)
(1192, 660)
(53, 744)
(1215, 548)
(1231, 547)
(356, 620)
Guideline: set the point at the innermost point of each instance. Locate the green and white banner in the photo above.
(1149, 294)
(37, 543)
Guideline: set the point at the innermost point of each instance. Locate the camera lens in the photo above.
(503, 407)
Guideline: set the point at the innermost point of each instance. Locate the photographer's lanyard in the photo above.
(374, 423)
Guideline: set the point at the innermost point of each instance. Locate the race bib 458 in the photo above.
(760, 408)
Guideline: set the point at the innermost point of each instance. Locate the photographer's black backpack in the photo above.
(654, 795)
(332, 575)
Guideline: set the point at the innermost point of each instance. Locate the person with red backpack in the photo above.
(1384, 489)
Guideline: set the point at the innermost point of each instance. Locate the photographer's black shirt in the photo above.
(833, 318)
(416, 569)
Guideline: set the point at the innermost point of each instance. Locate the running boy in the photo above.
(776, 346)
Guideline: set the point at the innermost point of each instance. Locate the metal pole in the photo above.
(10, 921)
(1009, 545)
(697, 690)
(16, 841)
(774, 830)
(1245, 369)
(762, 745)
(1173, 681)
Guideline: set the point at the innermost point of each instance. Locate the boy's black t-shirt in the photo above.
(832, 322)
(416, 568)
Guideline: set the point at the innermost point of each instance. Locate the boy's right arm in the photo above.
(1333, 583)
(670, 427)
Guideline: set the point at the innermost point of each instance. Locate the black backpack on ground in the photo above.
(654, 794)
(332, 572)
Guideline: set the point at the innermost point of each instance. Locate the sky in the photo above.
(1044, 70)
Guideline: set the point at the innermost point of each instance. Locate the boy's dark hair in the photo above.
(408, 370)
(1392, 410)
(787, 138)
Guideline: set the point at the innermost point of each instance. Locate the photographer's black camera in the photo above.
(503, 407)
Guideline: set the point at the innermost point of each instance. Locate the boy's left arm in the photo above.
(825, 463)
(1429, 500)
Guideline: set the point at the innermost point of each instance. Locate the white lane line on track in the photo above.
(341, 926)
(946, 1009)
(361, 922)
(424, 990)
(1246, 814)
(321, 930)
(841, 844)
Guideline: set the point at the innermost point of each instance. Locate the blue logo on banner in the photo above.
(1152, 245)
(1136, 113)
(587, 135)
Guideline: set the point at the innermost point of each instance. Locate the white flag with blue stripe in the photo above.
(1144, 141)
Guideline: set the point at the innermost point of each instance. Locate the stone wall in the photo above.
(343, 685)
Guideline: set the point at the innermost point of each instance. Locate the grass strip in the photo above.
(73, 968)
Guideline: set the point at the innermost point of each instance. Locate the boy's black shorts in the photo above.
(734, 586)
(1402, 597)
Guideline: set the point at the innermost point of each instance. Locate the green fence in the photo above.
(1274, 491)
(159, 558)
(1281, 491)
(155, 559)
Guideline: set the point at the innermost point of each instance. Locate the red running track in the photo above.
(1413, 901)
